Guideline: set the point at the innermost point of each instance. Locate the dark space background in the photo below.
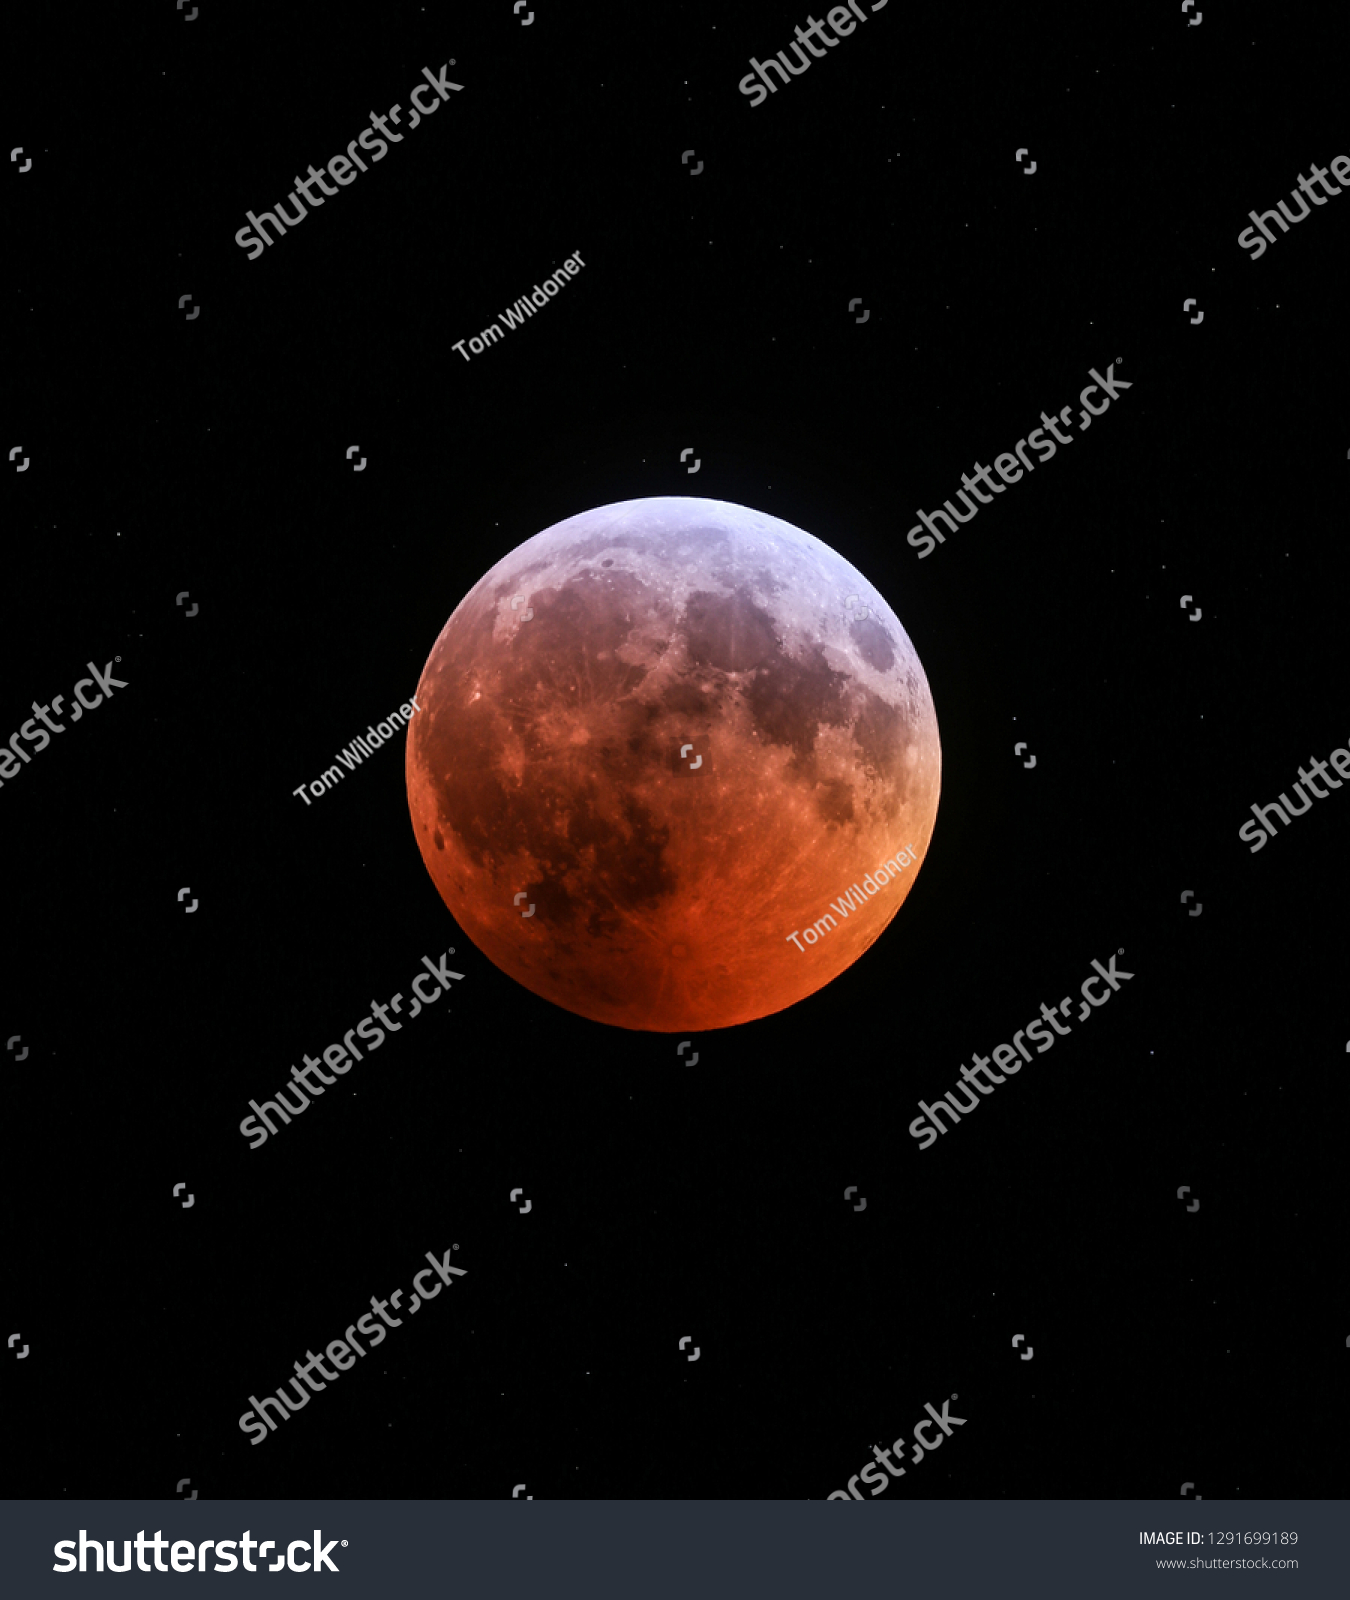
(210, 456)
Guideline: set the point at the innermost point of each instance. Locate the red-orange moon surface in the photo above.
(656, 742)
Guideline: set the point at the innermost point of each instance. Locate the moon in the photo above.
(674, 764)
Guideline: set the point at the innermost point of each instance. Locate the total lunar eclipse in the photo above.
(679, 729)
